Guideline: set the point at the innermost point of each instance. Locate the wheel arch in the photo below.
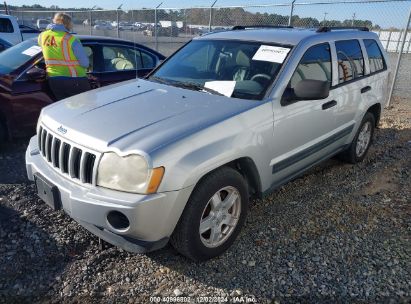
(376, 111)
(247, 168)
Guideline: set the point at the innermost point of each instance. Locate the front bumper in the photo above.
(152, 217)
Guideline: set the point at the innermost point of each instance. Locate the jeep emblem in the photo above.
(62, 130)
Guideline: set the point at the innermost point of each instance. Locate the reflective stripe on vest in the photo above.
(61, 62)
(66, 53)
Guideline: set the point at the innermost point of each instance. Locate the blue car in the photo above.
(4, 45)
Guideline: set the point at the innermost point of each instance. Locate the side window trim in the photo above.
(365, 56)
(92, 64)
(98, 58)
(334, 64)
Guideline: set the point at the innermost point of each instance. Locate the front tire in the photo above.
(213, 217)
(358, 148)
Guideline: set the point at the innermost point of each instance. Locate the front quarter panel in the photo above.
(248, 134)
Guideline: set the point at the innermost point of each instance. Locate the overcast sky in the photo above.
(384, 14)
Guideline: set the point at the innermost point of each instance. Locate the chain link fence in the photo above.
(167, 29)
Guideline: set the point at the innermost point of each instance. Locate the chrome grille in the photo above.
(76, 162)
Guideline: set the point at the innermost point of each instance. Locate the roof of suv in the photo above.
(287, 36)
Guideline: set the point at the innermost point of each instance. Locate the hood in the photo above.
(138, 114)
(57, 27)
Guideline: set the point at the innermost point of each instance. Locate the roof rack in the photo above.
(243, 27)
(325, 29)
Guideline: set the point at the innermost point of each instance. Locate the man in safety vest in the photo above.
(66, 61)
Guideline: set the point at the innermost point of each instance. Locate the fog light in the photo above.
(118, 220)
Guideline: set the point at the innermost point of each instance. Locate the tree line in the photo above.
(197, 16)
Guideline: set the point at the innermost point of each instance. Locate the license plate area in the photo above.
(49, 193)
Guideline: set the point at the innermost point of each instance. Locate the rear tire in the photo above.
(218, 206)
(362, 141)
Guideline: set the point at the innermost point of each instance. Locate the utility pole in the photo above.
(397, 66)
(6, 7)
(118, 20)
(325, 17)
(290, 20)
(211, 16)
(353, 20)
(155, 25)
(91, 19)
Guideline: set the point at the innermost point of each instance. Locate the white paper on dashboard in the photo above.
(32, 51)
(223, 87)
(271, 53)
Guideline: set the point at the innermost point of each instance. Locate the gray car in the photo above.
(230, 117)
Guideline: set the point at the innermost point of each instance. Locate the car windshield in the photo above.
(233, 68)
(14, 57)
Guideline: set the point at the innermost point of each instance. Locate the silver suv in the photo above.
(229, 117)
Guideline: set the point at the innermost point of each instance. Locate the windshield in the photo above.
(14, 57)
(232, 68)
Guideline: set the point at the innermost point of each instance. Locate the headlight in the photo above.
(129, 173)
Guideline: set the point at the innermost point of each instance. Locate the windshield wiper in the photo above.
(185, 85)
(160, 80)
(196, 87)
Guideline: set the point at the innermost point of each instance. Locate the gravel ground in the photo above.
(340, 233)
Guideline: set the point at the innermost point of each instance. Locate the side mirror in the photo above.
(307, 89)
(36, 74)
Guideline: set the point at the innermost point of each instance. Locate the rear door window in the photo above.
(375, 58)
(148, 61)
(6, 26)
(350, 60)
(121, 58)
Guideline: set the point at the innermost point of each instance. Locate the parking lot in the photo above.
(338, 233)
(166, 45)
(347, 239)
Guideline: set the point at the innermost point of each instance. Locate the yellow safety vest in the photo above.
(58, 54)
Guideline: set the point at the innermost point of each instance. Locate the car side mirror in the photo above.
(36, 74)
(306, 89)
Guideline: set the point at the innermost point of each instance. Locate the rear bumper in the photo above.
(152, 217)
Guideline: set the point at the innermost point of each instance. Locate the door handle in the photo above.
(365, 89)
(329, 104)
